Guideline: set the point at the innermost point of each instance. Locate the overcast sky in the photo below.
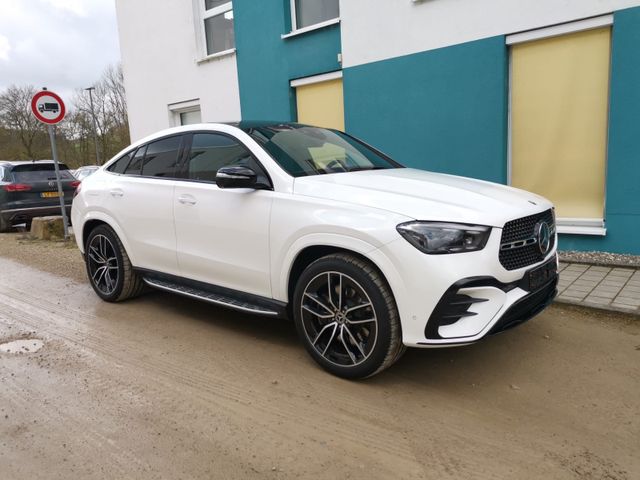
(60, 44)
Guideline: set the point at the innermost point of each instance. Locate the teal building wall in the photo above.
(443, 110)
(267, 62)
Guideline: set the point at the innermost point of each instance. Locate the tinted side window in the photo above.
(211, 151)
(135, 166)
(161, 157)
(120, 165)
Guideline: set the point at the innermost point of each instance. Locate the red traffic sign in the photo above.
(48, 107)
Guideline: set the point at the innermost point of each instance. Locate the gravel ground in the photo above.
(600, 258)
(57, 257)
(164, 387)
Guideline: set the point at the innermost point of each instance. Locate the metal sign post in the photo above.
(49, 108)
(54, 151)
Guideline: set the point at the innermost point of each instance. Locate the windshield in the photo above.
(302, 150)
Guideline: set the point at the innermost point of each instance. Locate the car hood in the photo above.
(423, 195)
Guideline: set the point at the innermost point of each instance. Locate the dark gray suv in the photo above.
(28, 189)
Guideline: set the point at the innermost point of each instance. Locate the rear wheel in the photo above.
(346, 317)
(108, 266)
(4, 225)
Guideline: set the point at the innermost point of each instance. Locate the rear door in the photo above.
(141, 201)
(222, 234)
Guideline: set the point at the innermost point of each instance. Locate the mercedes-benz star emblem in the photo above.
(543, 234)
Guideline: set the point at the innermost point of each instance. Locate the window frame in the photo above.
(294, 22)
(183, 166)
(202, 14)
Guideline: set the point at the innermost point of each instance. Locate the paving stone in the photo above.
(608, 288)
(585, 283)
(578, 290)
(600, 293)
(623, 272)
(598, 300)
(593, 276)
(574, 297)
(624, 306)
(631, 302)
(632, 289)
(599, 269)
(576, 268)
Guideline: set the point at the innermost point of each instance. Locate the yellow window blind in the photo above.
(559, 109)
(321, 104)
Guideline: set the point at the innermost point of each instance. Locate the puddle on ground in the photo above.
(29, 345)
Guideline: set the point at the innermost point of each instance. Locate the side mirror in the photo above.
(236, 177)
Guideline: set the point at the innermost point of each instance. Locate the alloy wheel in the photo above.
(103, 264)
(339, 319)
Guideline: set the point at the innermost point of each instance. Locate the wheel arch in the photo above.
(98, 219)
(307, 254)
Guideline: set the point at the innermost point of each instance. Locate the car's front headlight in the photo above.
(439, 238)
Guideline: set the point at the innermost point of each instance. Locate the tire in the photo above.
(346, 317)
(105, 257)
(4, 225)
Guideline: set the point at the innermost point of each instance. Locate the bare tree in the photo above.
(109, 108)
(16, 116)
(22, 136)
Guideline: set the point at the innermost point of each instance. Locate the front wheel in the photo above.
(108, 266)
(346, 316)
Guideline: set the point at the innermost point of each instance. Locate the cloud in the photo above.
(5, 48)
(60, 44)
(73, 6)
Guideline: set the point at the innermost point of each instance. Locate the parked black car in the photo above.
(29, 189)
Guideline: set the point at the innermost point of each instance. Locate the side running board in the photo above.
(216, 298)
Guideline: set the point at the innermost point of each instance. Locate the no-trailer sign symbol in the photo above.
(48, 107)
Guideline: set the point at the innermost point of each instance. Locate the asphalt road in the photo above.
(164, 387)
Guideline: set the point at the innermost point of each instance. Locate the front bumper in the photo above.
(484, 305)
(420, 282)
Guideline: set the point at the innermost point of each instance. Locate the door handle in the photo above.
(116, 192)
(187, 200)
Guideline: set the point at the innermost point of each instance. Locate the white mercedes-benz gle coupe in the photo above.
(282, 219)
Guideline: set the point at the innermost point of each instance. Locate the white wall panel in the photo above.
(375, 30)
(159, 53)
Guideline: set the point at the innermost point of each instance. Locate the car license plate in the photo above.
(542, 274)
(49, 194)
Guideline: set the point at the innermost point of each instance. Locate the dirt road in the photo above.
(167, 388)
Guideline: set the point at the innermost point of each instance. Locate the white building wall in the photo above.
(160, 63)
(375, 30)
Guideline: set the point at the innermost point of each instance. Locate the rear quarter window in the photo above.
(120, 165)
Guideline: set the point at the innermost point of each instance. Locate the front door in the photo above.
(222, 234)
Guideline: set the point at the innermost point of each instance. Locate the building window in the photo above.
(306, 13)
(218, 26)
(559, 124)
(185, 113)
